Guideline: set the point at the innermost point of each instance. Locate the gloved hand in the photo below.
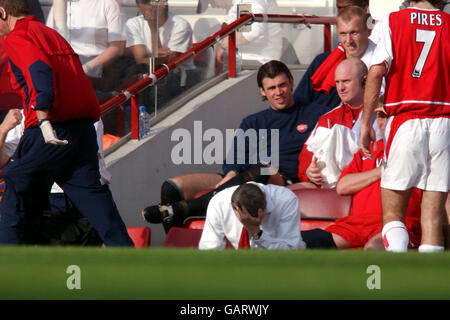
(50, 135)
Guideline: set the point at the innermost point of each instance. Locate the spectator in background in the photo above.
(157, 33)
(253, 216)
(165, 41)
(60, 106)
(262, 44)
(95, 30)
(417, 102)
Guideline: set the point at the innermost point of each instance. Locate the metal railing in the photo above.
(229, 31)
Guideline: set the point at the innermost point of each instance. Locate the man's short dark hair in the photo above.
(250, 197)
(272, 69)
(16, 8)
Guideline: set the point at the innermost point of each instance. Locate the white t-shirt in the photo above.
(368, 58)
(91, 26)
(280, 224)
(376, 33)
(265, 39)
(175, 34)
(13, 138)
(368, 54)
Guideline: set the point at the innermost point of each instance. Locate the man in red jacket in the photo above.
(9, 98)
(58, 101)
(350, 78)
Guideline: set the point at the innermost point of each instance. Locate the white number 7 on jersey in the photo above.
(427, 37)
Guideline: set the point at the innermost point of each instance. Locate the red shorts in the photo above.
(359, 229)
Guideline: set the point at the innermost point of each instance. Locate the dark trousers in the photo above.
(36, 165)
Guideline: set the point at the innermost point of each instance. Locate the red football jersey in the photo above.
(416, 49)
(48, 74)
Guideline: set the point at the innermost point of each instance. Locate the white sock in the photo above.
(430, 248)
(395, 236)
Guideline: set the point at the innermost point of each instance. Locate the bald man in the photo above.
(350, 77)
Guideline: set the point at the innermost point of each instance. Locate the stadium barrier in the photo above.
(131, 93)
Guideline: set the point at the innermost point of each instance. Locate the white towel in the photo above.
(334, 149)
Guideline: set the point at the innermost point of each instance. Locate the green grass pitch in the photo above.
(188, 274)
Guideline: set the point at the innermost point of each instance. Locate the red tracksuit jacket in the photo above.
(47, 73)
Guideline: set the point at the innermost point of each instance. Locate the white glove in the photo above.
(50, 135)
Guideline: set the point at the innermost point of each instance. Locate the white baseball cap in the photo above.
(381, 8)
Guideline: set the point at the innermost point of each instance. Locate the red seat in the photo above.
(183, 238)
(200, 193)
(319, 208)
(108, 140)
(322, 203)
(194, 223)
(141, 236)
(309, 224)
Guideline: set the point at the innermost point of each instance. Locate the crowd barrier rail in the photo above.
(131, 93)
